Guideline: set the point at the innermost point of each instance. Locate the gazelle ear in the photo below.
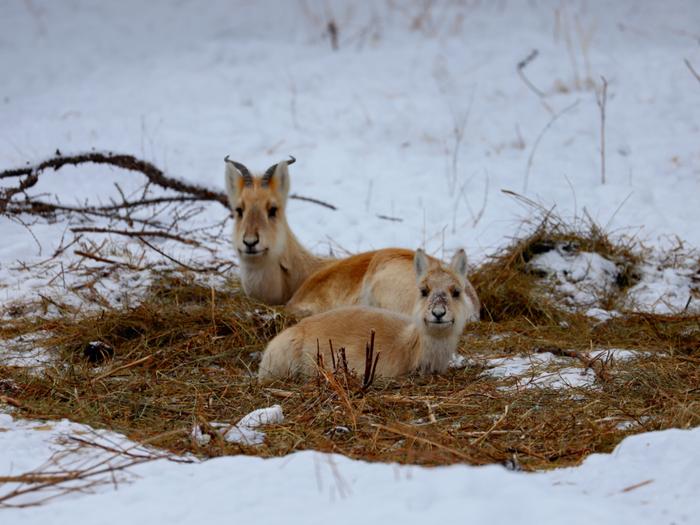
(420, 263)
(279, 181)
(277, 177)
(235, 181)
(459, 263)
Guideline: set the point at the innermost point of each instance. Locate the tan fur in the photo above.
(280, 263)
(405, 343)
(382, 278)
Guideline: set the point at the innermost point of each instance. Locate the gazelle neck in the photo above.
(275, 279)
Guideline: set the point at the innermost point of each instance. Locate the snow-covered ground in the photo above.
(421, 116)
(649, 478)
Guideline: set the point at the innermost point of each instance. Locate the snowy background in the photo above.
(419, 115)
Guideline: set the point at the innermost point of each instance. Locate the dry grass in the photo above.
(187, 355)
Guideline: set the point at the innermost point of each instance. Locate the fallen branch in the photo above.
(190, 192)
(128, 162)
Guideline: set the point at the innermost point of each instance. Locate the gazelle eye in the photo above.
(455, 293)
(239, 212)
(272, 212)
(424, 292)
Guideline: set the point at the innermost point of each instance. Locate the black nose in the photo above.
(250, 244)
(439, 312)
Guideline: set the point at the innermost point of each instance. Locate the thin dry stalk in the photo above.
(549, 124)
(520, 68)
(691, 69)
(601, 97)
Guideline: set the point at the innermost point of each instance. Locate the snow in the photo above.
(580, 277)
(21, 351)
(667, 290)
(546, 370)
(637, 483)
(420, 118)
(245, 430)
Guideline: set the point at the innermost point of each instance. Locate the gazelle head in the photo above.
(258, 204)
(442, 307)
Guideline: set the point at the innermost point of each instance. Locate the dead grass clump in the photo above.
(509, 287)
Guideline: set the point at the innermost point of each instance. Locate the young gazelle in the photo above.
(422, 342)
(273, 262)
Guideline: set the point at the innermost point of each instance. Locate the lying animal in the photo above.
(422, 342)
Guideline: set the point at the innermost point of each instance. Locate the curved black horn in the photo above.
(271, 170)
(245, 173)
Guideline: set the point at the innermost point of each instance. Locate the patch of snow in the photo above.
(666, 289)
(568, 377)
(546, 370)
(199, 436)
(458, 361)
(601, 315)
(23, 351)
(245, 430)
(580, 278)
(517, 365)
(615, 354)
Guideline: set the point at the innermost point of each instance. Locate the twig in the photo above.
(123, 367)
(137, 234)
(601, 99)
(521, 73)
(388, 218)
(11, 401)
(370, 362)
(332, 30)
(169, 257)
(104, 259)
(539, 138)
(594, 364)
(427, 441)
(493, 427)
(315, 201)
(637, 485)
(692, 70)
